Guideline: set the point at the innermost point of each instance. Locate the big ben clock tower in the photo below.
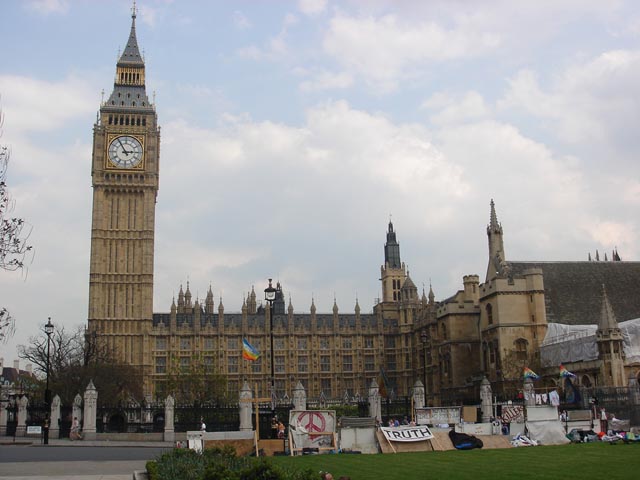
(124, 171)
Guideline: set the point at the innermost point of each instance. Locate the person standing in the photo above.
(603, 420)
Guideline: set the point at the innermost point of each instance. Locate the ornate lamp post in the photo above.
(270, 296)
(48, 329)
(424, 336)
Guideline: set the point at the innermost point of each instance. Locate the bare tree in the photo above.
(14, 246)
(76, 358)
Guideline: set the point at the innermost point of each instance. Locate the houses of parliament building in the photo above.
(487, 329)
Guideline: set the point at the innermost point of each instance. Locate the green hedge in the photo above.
(219, 464)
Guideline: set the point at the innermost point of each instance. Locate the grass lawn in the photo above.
(585, 461)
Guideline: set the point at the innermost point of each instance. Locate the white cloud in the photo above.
(241, 21)
(30, 104)
(276, 47)
(595, 100)
(451, 108)
(148, 15)
(387, 49)
(312, 7)
(46, 7)
(327, 81)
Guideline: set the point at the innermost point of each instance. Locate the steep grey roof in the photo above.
(131, 54)
(128, 96)
(573, 290)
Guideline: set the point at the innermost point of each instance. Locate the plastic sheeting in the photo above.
(550, 432)
(576, 343)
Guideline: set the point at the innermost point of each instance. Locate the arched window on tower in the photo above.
(485, 356)
(521, 348)
(489, 310)
(586, 381)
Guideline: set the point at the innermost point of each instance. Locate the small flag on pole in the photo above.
(528, 373)
(564, 373)
(249, 352)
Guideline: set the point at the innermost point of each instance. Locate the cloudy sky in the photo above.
(293, 130)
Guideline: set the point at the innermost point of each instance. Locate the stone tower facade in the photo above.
(392, 273)
(124, 171)
(610, 346)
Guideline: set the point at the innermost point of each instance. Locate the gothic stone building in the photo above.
(488, 328)
(497, 327)
(331, 354)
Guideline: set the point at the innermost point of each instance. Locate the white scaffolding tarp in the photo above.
(576, 343)
(549, 432)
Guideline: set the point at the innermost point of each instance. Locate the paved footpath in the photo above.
(76, 470)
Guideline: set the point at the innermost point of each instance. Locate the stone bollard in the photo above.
(529, 395)
(299, 397)
(21, 428)
(76, 409)
(375, 409)
(4, 417)
(54, 424)
(90, 411)
(246, 397)
(169, 432)
(418, 395)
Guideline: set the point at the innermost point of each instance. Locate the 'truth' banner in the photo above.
(407, 434)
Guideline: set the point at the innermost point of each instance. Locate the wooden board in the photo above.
(271, 446)
(242, 447)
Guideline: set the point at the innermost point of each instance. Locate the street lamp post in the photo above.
(48, 329)
(270, 296)
(424, 336)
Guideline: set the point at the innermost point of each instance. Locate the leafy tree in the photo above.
(14, 247)
(77, 358)
(193, 379)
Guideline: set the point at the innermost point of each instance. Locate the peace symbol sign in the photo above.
(313, 422)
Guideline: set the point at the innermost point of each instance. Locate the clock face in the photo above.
(125, 152)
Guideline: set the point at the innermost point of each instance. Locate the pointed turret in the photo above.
(335, 306)
(392, 249)
(180, 298)
(392, 273)
(208, 303)
(131, 53)
(432, 297)
(173, 305)
(610, 346)
(607, 321)
(244, 307)
(357, 307)
(220, 306)
(290, 307)
(129, 84)
(312, 309)
(496, 245)
(409, 291)
(187, 297)
(252, 304)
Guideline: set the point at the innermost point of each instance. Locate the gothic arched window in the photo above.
(489, 310)
(521, 348)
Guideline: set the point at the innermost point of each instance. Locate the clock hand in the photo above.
(124, 150)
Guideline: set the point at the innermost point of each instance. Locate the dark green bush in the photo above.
(262, 470)
(219, 464)
(152, 469)
(219, 471)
